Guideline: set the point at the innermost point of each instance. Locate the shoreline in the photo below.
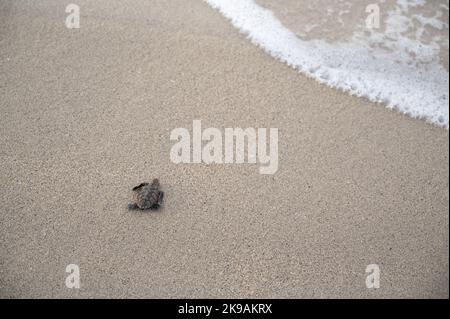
(88, 114)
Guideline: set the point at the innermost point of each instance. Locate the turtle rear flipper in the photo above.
(159, 201)
(133, 206)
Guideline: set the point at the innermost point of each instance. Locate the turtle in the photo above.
(147, 196)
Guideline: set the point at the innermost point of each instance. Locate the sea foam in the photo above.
(386, 67)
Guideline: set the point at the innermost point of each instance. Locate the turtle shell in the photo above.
(147, 196)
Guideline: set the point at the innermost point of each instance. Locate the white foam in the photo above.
(417, 89)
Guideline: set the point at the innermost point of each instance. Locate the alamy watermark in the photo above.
(373, 19)
(221, 148)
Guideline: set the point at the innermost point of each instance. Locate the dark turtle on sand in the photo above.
(147, 196)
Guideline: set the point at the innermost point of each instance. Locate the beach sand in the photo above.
(86, 114)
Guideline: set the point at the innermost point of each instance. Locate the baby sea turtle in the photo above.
(147, 196)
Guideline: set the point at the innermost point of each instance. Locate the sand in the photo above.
(86, 114)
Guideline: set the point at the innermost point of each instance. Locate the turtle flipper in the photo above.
(161, 197)
(159, 201)
(133, 206)
(139, 186)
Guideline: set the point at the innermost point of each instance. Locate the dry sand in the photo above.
(86, 114)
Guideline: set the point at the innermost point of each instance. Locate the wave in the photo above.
(385, 65)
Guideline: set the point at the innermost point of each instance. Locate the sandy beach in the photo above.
(86, 114)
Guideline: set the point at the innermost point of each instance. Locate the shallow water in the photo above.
(419, 29)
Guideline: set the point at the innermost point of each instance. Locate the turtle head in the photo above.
(155, 183)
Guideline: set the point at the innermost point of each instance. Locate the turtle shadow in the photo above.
(149, 211)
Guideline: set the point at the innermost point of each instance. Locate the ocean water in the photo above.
(394, 52)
